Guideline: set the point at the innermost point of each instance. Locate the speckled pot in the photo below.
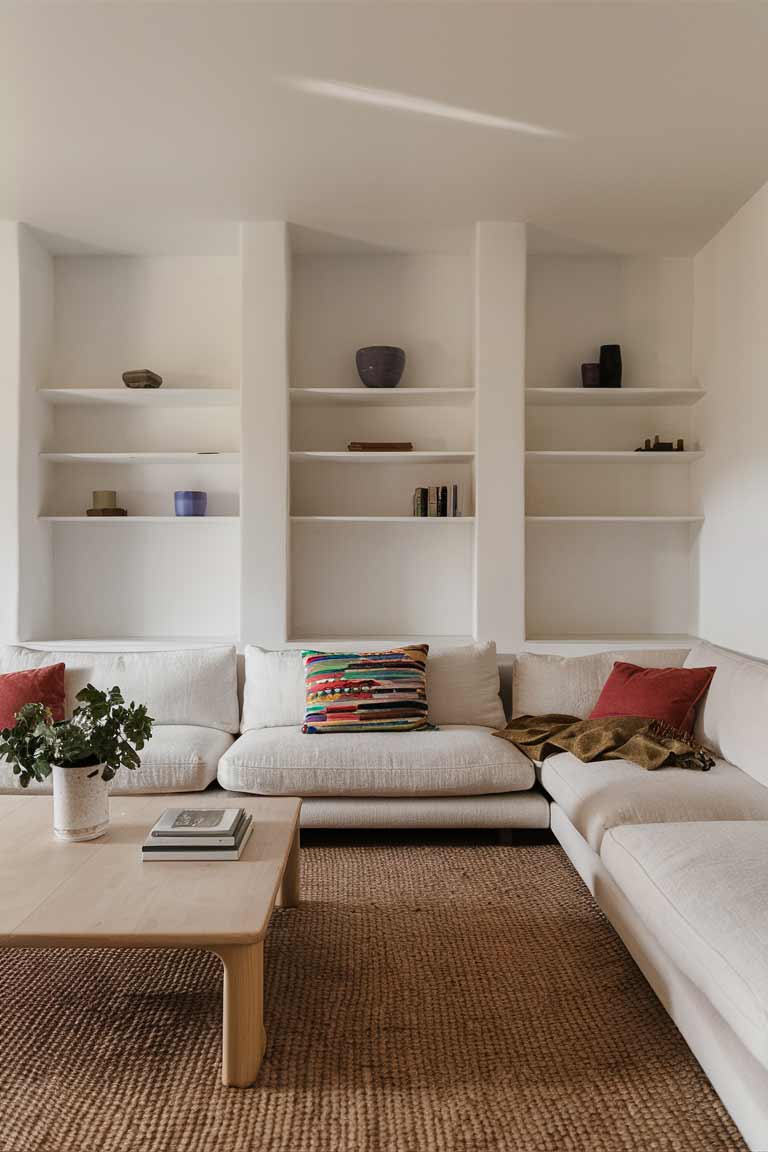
(380, 366)
(80, 802)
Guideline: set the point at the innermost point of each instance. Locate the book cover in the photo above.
(432, 501)
(202, 842)
(198, 822)
(442, 504)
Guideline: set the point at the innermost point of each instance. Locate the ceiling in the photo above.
(616, 127)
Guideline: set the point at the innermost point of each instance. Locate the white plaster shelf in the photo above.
(620, 397)
(380, 457)
(321, 520)
(667, 457)
(145, 397)
(124, 521)
(649, 640)
(382, 396)
(359, 640)
(614, 519)
(128, 457)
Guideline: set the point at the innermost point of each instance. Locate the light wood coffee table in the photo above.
(99, 894)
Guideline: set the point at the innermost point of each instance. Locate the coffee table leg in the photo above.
(288, 896)
(243, 1037)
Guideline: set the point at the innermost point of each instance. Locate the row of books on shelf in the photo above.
(198, 834)
(438, 500)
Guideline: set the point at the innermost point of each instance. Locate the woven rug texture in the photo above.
(429, 997)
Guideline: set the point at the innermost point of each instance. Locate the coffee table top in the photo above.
(99, 893)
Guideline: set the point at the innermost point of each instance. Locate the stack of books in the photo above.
(198, 834)
(380, 446)
(439, 500)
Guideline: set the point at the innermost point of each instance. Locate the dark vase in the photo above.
(610, 366)
(380, 366)
(590, 375)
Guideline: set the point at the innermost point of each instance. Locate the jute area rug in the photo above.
(424, 997)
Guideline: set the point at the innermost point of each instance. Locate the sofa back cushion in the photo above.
(462, 687)
(571, 685)
(189, 686)
(730, 718)
(670, 695)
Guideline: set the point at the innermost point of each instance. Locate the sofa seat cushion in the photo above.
(608, 793)
(456, 760)
(178, 758)
(702, 889)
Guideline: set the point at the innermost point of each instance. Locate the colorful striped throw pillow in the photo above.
(366, 691)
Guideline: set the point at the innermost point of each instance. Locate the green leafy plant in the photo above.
(103, 730)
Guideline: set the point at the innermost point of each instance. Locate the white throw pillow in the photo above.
(187, 686)
(571, 685)
(274, 695)
(729, 720)
(463, 686)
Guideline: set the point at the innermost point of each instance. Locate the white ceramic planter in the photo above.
(80, 802)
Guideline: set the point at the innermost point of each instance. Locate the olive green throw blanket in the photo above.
(649, 743)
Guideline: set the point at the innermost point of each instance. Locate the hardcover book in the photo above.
(152, 851)
(198, 822)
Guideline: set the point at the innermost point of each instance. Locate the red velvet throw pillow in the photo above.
(667, 694)
(33, 686)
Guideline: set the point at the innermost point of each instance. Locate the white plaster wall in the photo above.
(731, 361)
(500, 335)
(35, 606)
(264, 434)
(9, 427)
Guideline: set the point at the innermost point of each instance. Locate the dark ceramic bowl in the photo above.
(190, 503)
(380, 366)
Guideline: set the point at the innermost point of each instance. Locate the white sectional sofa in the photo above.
(192, 695)
(677, 859)
(459, 775)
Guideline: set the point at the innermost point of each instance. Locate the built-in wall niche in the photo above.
(652, 485)
(361, 564)
(145, 486)
(120, 580)
(608, 579)
(429, 427)
(332, 488)
(374, 580)
(177, 314)
(611, 532)
(422, 302)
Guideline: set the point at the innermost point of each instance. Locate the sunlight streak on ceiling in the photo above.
(400, 102)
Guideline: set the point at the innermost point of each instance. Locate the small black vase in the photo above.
(610, 366)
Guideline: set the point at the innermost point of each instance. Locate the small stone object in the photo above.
(142, 378)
